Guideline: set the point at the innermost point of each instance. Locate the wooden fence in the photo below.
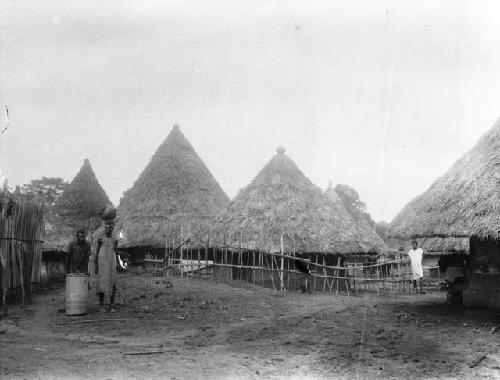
(279, 270)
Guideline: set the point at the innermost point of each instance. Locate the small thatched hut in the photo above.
(460, 213)
(175, 192)
(281, 200)
(78, 207)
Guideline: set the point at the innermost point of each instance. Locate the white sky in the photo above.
(381, 95)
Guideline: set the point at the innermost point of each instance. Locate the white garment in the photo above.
(416, 263)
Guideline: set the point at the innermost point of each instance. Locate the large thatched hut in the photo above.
(460, 213)
(175, 195)
(282, 201)
(78, 207)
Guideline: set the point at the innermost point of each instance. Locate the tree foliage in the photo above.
(353, 204)
(50, 188)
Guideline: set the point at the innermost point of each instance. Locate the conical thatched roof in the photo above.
(463, 202)
(83, 199)
(282, 200)
(175, 190)
(368, 236)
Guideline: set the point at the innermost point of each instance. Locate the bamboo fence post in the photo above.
(240, 257)
(378, 280)
(324, 274)
(346, 275)
(337, 274)
(282, 285)
(355, 278)
(392, 273)
(199, 262)
(271, 273)
(315, 272)
(253, 270)
(181, 255)
(288, 274)
(191, 261)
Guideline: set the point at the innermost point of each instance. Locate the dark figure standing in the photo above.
(77, 258)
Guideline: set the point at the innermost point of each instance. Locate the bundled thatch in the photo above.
(21, 235)
(463, 202)
(356, 209)
(175, 191)
(281, 200)
(79, 206)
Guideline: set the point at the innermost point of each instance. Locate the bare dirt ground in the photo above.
(200, 329)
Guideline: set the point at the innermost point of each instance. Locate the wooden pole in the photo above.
(240, 257)
(182, 253)
(324, 274)
(282, 285)
(253, 271)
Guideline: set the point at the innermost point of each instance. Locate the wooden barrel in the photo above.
(77, 294)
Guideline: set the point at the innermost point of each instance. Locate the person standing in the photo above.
(78, 253)
(416, 256)
(106, 262)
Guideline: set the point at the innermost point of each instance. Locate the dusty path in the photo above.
(200, 329)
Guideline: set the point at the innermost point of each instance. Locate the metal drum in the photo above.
(77, 294)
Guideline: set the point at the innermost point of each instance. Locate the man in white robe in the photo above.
(416, 256)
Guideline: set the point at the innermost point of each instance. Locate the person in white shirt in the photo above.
(416, 255)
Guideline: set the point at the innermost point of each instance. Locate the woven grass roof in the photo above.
(83, 199)
(176, 190)
(463, 202)
(282, 200)
(366, 230)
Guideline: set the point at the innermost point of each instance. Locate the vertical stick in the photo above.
(181, 266)
(21, 269)
(253, 270)
(324, 274)
(315, 271)
(282, 285)
(261, 258)
(288, 273)
(240, 257)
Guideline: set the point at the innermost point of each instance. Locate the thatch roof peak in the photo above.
(464, 201)
(176, 190)
(282, 200)
(280, 150)
(84, 198)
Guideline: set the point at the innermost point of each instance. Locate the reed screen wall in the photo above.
(21, 239)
